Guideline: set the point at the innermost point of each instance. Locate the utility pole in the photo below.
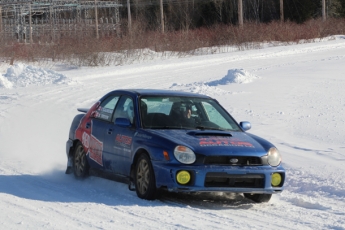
(324, 10)
(0, 19)
(117, 19)
(240, 13)
(162, 15)
(282, 10)
(22, 30)
(30, 23)
(129, 17)
(96, 19)
(51, 22)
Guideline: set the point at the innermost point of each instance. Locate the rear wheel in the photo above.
(145, 183)
(259, 198)
(80, 164)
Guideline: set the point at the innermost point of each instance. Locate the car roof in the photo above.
(159, 92)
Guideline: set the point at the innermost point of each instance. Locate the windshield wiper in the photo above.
(164, 127)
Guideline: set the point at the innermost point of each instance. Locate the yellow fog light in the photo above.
(183, 177)
(276, 179)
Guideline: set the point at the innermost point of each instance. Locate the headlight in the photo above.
(184, 154)
(274, 157)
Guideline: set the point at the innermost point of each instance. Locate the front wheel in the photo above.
(80, 164)
(258, 198)
(145, 183)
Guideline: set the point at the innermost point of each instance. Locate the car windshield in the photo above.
(172, 112)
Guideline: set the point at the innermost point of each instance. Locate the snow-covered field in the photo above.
(293, 96)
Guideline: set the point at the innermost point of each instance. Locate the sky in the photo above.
(292, 95)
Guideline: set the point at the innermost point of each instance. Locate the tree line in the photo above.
(192, 27)
(191, 14)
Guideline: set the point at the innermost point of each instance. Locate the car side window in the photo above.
(106, 108)
(125, 109)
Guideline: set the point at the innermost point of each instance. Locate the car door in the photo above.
(119, 139)
(102, 117)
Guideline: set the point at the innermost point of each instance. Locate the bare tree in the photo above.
(282, 10)
(30, 22)
(219, 7)
(240, 13)
(162, 15)
(324, 10)
(129, 16)
(0, 19)
(96, 19)
(255, 4)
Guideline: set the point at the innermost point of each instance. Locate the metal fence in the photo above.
(49, 21)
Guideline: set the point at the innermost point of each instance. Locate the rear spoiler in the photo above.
(83, 110)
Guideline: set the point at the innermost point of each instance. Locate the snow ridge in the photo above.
(234, 76)
(21, 75)
(238, 76)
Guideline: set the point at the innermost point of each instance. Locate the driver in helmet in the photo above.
(187, 116)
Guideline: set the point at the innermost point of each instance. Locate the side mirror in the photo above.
(123, 122)
(245, 125)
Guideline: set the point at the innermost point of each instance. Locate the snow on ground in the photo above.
(21, 75)
(293, 96)
(238, 76)
(234, 76)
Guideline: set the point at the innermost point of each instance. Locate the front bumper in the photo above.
(214, 178)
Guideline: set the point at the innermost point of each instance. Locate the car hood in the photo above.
(209, 142)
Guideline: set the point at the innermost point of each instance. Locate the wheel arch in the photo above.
(135, 159)
(145, 188)
(71, 150)
(70, 153)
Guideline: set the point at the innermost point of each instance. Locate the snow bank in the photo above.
(234, 76)
(239, 76)
(4, 83)
(201, 88)
(21, 75)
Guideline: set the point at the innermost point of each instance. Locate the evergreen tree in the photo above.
(341, 8)
(302, 10)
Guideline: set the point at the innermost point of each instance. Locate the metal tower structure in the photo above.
(28, 20)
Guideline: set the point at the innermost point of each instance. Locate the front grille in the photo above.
(235, 180)
(232, 160)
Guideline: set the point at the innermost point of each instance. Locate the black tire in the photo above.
(80, 164)
(144, 179)
(258, 198)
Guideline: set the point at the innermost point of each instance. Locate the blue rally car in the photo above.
(177, 141)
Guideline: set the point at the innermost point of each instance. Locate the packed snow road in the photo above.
(293, 96)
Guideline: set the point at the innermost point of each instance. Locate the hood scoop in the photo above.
(209, 133)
